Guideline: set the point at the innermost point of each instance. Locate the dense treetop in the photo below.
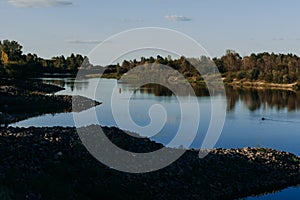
(14, 63)
(266, 67)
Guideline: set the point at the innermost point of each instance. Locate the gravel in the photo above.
(52, 163)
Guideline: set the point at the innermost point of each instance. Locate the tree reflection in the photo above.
(262, 99)
(157, 90)
(68, 83)
(253, 99)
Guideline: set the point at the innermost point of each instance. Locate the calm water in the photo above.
(243, 126)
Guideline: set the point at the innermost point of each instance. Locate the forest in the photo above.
(13, 63)
(266, 67)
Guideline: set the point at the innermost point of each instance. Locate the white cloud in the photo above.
(83, 41)
(178, 18)
(39, 3)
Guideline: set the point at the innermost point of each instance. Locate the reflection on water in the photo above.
(263, 99)
(253, 99)
(68, 83)
(243, 126)
(155, 89)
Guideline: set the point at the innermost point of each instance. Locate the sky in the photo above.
(61, 27)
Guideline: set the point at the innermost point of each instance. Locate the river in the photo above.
(254, 118)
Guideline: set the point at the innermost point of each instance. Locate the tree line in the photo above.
(267, 67)
(272, 68)
(13, 63)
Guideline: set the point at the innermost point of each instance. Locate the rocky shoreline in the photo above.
(23, 99)
(52, 163)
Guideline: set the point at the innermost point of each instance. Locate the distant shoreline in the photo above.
(259, 85)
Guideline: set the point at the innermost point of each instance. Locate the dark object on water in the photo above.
(263, 119)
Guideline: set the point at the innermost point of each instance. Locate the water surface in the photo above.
(243, 126)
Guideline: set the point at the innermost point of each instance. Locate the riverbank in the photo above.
(22, 99)
(259, 85)
(52, 163)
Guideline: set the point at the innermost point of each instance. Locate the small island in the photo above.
(23, 99)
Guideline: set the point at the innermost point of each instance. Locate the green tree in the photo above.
(13, 50)
(71, 63)
(59, 62)
(232, 61)
(118, 68)
(254, 74)
(220, 65)
(126, 65)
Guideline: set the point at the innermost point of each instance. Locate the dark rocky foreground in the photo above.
(52, 163)
(23, 99)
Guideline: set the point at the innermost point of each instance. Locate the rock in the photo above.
(23, 99)
(27, 161)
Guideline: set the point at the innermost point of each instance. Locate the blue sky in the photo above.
(55, 27)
